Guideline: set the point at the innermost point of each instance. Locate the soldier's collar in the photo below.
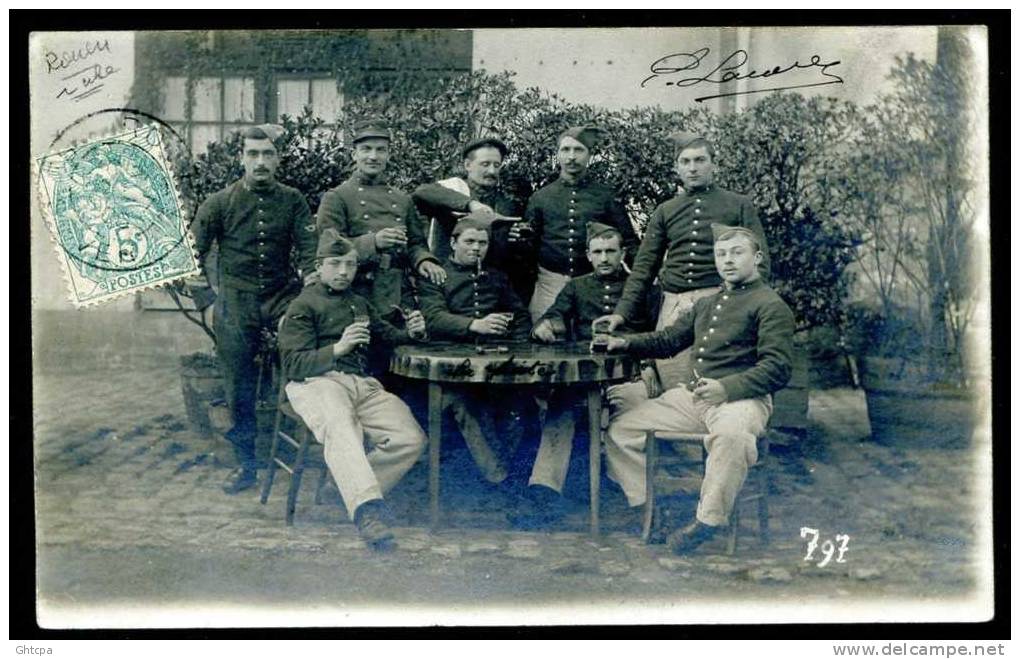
(746, 286)
(701, 189)
(271, 186)
(576, 183)
(364, 179)
(478, 191)
(616, 276)
(463, 268)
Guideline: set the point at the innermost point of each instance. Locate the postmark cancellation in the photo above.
(115, 216)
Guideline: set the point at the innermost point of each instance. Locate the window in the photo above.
(216, 106)
(322, 94)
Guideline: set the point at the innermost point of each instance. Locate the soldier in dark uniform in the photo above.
(256, 222)
(581, 301)
(477, 304)
(559, 213)
(323, 344)
(382, 223)
(742, 335)
(479, 192)
(677, 245)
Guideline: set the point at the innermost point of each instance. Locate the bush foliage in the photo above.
(785, 151)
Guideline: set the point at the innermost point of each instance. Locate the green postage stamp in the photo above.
(115, 215)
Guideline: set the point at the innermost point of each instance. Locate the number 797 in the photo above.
(828, 546)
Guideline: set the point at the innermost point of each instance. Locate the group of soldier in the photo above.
(450, 263)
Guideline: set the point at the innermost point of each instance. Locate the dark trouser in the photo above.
(239, 319)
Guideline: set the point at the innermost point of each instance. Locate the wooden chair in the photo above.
(299, 439)
(756, 487)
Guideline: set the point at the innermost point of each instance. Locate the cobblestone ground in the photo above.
(129, 511)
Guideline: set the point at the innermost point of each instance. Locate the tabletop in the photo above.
(512, 363)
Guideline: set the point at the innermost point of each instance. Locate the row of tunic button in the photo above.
(570, 249)
(711, 330)
(364, 203)
(697, 211)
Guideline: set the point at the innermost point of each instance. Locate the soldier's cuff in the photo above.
(365, 244)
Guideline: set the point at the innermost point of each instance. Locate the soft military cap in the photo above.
(586, 135)
(485, 141)
(369, 129)
(682, 138)
(472, 221)
(331, 243)
(726, 232)
(271, 132)
(597, 230)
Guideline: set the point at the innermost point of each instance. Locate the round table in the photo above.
(513, 365)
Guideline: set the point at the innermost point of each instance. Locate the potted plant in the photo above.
(911, 198)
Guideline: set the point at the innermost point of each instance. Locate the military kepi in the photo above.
(331, 243)
(682, 138)
(724, 230)
(597, 229)
(586, 135)
(482, 142)
(370, 129)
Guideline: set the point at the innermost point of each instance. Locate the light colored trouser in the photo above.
(547, 287)
(492, 429)
(674, 369)
(731, 443)
(342, 410)
(553, 458)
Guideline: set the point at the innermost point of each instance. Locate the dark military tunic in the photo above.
(255, 229)
(560, 213)
(468, 295)
(586, 298)
(682, 227)
(357, 209)
(316, 320)
(742, 337)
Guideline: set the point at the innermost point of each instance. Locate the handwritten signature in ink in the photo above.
(86, 82)
(730, 69)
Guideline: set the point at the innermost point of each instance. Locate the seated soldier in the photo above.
(570, 317)
(741, 338)
(322, 345)
(477, 305)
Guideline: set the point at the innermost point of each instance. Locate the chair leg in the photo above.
(731, 541)
(271, 473)
(295, 479)
(651, 458)
(322, 482)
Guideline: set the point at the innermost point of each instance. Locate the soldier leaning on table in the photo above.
(677, 244)
(256, 222)
(581, 301)
(479, 192)
(476, 304)
(741, 337)
(323, 344)
(560, 212)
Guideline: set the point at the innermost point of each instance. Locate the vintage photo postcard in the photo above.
(401, 327)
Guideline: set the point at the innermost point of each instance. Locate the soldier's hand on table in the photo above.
(355, 334)
(390, 237)
(433, 271)
(544, 332)
(416, 325)
(493, 324)
(485, 210)
(611, 322)
(711, 391)
(617, 344)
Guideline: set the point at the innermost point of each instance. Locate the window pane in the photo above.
(173, 98)
(326, 100)
(239, 99)
(207, 100)
(291, 97)
(201, 136)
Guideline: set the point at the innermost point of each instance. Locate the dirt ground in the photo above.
(132, 528)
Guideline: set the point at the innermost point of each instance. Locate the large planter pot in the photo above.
(907, 409)
(202, 386)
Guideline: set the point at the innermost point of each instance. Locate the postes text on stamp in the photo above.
(115, 216)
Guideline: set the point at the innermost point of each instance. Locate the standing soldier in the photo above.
(678, 232)
(382, 223)
(256, 222)
(560, 212)
(446, 200)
